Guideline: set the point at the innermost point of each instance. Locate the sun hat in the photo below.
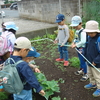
(33, 53)
(22, 42)
(76, 20)
(92, 26)
(59, 18)
(10, 25)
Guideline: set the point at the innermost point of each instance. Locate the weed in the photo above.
(3, 96)
(74, 61)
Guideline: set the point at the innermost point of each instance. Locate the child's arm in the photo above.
(82, 39)
(34, 67)
(42, 92)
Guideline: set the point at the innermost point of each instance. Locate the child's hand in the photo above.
(55, 42)
(93, 63)
(42, 92)
(73, 45)
(37, 70)
(62, 44)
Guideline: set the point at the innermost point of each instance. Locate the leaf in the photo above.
(41, 77)
(56, 98)
(48, 93)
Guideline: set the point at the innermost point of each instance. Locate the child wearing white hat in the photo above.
(92, 53)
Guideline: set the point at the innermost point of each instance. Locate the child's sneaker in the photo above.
(58, 59)
(79, 72)
(66, 63)
(89, 86)
(96, 93)
(84, 77)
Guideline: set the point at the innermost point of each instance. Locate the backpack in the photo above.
(79, 34)
(10, 78)
(4, 43)
(97, 43)
(71, 34)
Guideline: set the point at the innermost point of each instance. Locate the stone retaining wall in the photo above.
(46, 10)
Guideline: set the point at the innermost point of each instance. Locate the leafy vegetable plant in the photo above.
(48, 86)
(74, 61)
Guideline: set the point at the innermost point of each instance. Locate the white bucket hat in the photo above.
(92, 26)
(76, 20)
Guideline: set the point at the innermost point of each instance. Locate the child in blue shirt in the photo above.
(22, 46)
(62, 37)
(32, 54)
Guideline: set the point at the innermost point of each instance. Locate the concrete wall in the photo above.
(46, 10)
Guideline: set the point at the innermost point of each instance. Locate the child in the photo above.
(21, 48)
(93, 56)
(62, 37)
(32, 54)
(10, 32)
(79, 43)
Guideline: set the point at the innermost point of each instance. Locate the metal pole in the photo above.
(87, 60)
(60, 6)
(79, 7)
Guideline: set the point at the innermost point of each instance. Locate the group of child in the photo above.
(22, 50)
(85, 43)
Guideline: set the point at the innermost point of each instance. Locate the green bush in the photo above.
(3, 96)
(74, 62)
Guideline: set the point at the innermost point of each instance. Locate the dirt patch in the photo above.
(72, 88)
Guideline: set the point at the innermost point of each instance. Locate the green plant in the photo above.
(49, 86)
(3, 96)
(74, 61)
(56, 98)
(91, 10)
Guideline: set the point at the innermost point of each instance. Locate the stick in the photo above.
(87, 60)
(65, 45)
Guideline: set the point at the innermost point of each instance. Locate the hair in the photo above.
(12, 30)
(17, 49)
(2, 24)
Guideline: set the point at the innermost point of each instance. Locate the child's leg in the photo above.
(83, 65)
(61, 52)
(65, 53)
(96, 75)
(91, 76)
(92, 83)
(24, 95)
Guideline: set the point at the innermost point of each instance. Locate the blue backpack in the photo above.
(98, 44)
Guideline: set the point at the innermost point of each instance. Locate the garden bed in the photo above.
(71, 88)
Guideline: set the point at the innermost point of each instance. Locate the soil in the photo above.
(72, 88)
